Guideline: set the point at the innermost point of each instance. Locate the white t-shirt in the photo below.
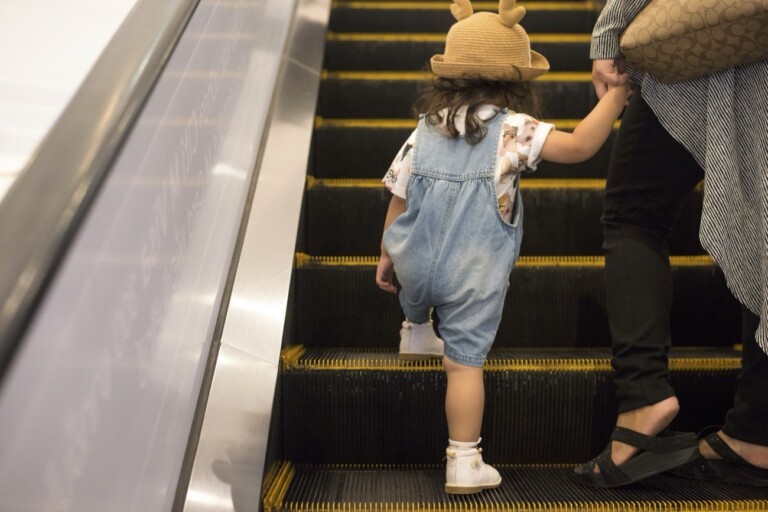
(520, 143)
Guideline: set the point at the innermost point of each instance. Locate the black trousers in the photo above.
(649, 176)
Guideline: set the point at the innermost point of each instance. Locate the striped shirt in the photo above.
(722, 120)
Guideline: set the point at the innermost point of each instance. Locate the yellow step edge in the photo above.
(400, 124)
(470, 504)
(525, 183)
(291, 354)
(565, 76)
(432, 37)
(302, 260)
(269, 478)
(477, 6)
(390, 362)
(273, 498)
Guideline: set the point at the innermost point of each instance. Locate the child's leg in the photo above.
(464, 401)
(465, 472)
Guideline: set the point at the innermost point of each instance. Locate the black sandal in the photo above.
(663, 452)
(732, 468)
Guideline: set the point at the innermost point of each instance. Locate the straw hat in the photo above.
(487, 45)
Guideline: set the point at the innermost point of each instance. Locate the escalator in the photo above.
(360, 430)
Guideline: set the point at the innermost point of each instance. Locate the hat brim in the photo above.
(539, 66)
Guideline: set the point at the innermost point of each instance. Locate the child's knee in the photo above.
(451, 366)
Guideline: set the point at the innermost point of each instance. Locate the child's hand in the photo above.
(385, 274)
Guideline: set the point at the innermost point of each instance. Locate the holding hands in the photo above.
(607, 74)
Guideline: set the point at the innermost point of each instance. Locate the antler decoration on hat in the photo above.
(461, 9)
(508, 13)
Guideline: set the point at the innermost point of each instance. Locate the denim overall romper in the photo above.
(451, 248)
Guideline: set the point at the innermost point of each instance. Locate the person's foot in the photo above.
(755, 454)
(648, 420)
(466, 473)
(419, 341)
(721, 458)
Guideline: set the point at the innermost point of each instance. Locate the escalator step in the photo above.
(397, 52)
(536, 488)
(365, 148)
(552, 301)
(541, 406)
(428, 16)
(562, 217)
(369, 94)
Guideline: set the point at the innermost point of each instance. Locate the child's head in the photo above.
(488, 46)
(487, 60)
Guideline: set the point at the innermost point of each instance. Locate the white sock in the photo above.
(464, 445)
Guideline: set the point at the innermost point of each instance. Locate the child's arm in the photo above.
(385, 270)
(590, 134)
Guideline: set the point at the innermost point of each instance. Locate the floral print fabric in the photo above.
(521, 140)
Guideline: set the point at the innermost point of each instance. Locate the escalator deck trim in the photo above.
(540, 488)
(297, 357)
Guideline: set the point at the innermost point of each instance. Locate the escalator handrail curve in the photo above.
(41, 212)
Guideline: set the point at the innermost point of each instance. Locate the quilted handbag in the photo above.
(675, 40)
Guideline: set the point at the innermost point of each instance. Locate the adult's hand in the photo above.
(607, 72)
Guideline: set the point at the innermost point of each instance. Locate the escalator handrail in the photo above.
(42, 210)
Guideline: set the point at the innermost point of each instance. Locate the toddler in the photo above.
(455, 241)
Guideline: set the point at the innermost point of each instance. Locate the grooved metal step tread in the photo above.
(298, 357)
(525, 488)
(364, 148)
(391, 94)
(541, 405)
(389, 51)
(552, 301)
(435, 17)
(562, 217)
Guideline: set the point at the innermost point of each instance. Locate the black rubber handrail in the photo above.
(43, 208)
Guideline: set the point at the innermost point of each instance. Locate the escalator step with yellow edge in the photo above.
(365, 148)
(533, 488)
(396, 52)
(345, 405)
(562, 218)
(551, 302)
(366, 94)
(433, 16)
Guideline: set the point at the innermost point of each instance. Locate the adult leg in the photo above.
(738, 453)
(746, 426)
(649, 176)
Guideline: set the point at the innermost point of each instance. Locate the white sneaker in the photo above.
(419, 341)
(466, 473)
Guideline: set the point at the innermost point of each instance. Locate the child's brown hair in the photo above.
(450, 94)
